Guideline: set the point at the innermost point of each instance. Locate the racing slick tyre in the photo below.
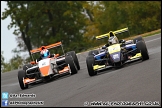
(90, 62)
(141, 46)
(73, 54)
(138, 39)
(93, 52)
(21, 76)
(69, 60)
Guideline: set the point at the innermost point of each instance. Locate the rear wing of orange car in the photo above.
(47, 47)
(114, 32)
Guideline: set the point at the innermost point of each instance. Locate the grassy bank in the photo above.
(146, 34)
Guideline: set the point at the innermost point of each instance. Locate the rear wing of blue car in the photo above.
(114, 32)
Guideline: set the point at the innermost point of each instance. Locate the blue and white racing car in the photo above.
(116, 53)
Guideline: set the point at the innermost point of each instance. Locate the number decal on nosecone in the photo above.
(44, 63)
(115, 56)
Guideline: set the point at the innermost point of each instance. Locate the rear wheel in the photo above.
(75, 58)
(73, 67)
(93, 52)
(90, 62)
(141, 46)
(21, 77)
(138, 39)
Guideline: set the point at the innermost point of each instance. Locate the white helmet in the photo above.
(113, 40)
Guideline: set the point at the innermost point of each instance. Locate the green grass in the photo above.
(146, 34)
(153, 33)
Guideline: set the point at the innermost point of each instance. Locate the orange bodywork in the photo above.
(28, 80)
(47, 47)
(64, 70)
(44, 70)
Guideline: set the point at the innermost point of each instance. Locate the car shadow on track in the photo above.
(48, 81)
(104, 71)
(112, 69)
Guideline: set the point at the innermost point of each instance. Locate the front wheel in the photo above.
(93, 52)
(90, 62)
(69, 60)
(21, 77)
(138, 39)
(141, 46)
(75, 58)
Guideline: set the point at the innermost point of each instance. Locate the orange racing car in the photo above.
(45, 69)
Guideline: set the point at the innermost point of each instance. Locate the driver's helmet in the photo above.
(113, 40)
(44, 53)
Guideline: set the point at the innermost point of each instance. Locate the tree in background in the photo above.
(76, 23)
(46, 22)
(14, 63)
(2, 61)
(4, 66)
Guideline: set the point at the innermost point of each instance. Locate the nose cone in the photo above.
(115, 57)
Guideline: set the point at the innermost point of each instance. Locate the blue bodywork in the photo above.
(132, 46)
(117, 54)
(98, 56)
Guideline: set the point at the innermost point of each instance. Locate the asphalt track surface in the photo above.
(135, 82)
